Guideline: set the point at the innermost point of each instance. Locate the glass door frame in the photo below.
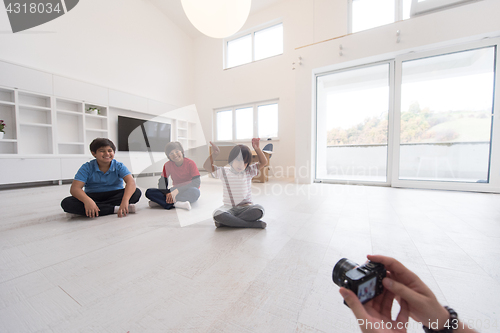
(494, 167)
(390, 145)
(393, 152)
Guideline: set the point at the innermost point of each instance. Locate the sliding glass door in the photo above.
(352, 124)
(422, 120)
(446, 116)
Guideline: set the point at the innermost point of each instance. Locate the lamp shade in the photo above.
(217, 18)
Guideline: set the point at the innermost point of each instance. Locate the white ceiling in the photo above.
(173, 10)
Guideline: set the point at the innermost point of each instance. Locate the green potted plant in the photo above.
(2, 126)
(93, 110)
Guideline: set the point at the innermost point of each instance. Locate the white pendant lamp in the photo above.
(217, 18)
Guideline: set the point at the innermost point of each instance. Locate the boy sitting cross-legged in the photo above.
(102, 179)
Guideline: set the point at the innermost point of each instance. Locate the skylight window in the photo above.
(259, 44)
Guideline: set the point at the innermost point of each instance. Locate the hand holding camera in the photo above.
(365, 280)
(423, 304)
(361, 285)
(415, 298)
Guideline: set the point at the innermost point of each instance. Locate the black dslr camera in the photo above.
(365, 280)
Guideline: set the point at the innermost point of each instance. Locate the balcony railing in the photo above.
(443, 161)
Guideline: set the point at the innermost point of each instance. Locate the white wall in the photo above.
(263, 80)
(453, 26)
(320, 22)
(126, 45)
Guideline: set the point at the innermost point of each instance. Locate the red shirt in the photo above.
(181, 175)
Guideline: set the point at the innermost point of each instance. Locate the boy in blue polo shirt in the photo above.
(103, 181)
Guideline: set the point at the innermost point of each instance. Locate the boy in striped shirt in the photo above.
(238, 209)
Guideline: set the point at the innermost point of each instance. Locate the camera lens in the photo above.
(343, 266)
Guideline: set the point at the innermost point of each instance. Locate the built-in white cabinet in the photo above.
(49, 129)
(76, 127)
(70, 127)
(184, 133)
(70, 165)
(39, 124)
(28, 123)
(35, 121)
(77, 90)
(8, 145)
(30, 169)
(96, 125)
(122, 100)
(25, 78)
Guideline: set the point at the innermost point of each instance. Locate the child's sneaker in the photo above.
(153, 204)
(183, 204)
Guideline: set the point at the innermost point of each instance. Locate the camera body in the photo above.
(365, 280)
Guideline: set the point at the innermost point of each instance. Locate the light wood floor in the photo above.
(168, 271)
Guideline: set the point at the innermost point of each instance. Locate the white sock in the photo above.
(131, 208)
(183, 204)
(153, 204)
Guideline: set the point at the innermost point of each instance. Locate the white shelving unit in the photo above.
(70, 133)
(48, 130)
(38, 124)
(96, 126)
(184, 131)
(191, 135)
(8, 145)
(34, 114)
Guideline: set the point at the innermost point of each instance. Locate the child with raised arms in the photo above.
(238, 209)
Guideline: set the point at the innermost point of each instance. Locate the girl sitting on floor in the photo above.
(238, 209)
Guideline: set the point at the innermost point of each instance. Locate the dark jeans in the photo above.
(239, 216)
(106, 201)
(190, 194)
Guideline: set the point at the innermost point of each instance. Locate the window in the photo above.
(248, 121)
(446, 116)
(225, 125)
(367, 14)
(244, 121)
(425, 6)
(269, 42)
(239, 51)
(255, 45)
(352, 124)
(268, 120)
(424, 119)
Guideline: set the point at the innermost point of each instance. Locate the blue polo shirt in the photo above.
(97, 181)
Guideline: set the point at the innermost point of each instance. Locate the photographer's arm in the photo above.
(377, 312)
(423, 304)
(415, 298)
